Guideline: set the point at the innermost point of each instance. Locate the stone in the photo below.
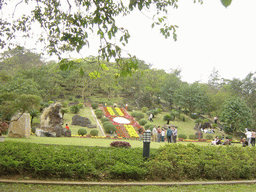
(81, 121)
(42, 133)
(20, 126)
(91, 126)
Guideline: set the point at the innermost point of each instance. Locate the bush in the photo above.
(168, 118)
(80, 105)
(139, 116)
(99, 114)
(74, 109)
(129, 108)
(143, 122)
(82, 131)
(192, 137)
(120, 144)
(133, 114)
(194, 115)
(104, 119)
(144, 109)
(214, 125)
(110, 128)
(209, 137)
(94, 132)
(149, 126)
(94, 105)
(183, 136)
(159, 110)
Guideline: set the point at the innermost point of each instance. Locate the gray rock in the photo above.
(91, 126)
(81, 121)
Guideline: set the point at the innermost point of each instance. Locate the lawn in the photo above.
(196, 188)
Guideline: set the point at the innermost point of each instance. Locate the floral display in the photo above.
(120, 113)
(131, 131)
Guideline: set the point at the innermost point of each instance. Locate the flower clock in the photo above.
(126, 126)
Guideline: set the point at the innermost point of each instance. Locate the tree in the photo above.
(168, 118)
(192, 97)
(67, 25)
(236, 114)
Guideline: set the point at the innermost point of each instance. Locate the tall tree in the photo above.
(236, 114)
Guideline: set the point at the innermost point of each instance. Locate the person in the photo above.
(162, 135)
(150, 117)
(126, 106)
(114, 105)
(140, 130)
(67, 127)
(158, 134)
(226, 141)
(248, 134)
(174, 134)
(154, 134)
(169, 135)
(213, 142)
(216, 120)
(244, 142)
(218, 141)
(253, 137)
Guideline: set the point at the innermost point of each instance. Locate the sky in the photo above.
(210, 37)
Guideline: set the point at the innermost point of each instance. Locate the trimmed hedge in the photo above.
(183, 136)
(170, 162)
(82, 131)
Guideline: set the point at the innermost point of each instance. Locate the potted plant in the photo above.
(3, 130)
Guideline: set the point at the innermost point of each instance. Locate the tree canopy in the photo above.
(67, 26)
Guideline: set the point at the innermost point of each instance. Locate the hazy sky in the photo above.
(209, 36)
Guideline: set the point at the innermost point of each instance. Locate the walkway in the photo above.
(82, 183)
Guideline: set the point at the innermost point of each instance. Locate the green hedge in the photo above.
(170, 162)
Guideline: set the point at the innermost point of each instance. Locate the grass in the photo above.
(196, 188)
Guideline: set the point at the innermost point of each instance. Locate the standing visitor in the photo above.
(248, 136)
(150, 117)
(126, 106)
(169, 135)
(253, 137)
(158, 134)
(154, 132)
(162, 135)
(174, 134)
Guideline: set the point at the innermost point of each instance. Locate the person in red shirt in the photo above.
(67, 127)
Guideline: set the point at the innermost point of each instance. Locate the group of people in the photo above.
(159, 134)
(217, 141)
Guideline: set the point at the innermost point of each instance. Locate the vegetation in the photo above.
(82, 131)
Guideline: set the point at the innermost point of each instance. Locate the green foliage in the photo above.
(230, 137)
(99, 114)
(168, 118)
(143, 122)
(214, 125)
(104, 119)
(194, 115)
(109, 127)
(226, 3)
(236, 114)
(133, 114)
(94, 105)
(209, 137)
(159, 110)
(149, 126)
(144, 109)
(129, 108)
(139, 116)
(50, 102)
(80, 105)
(183, 136)
(94, 132)
(82, 131)
(74, 109)
(192, 137)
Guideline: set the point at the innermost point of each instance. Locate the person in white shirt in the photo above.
(154, 134)
(248, 134)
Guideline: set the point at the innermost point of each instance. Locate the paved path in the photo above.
(41, 182)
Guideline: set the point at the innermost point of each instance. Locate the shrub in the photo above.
(94, 132)
(82, 131)
(168, 118)
(110, 128)
(99, 114)
(106, 123)
(104, 119)
(80, 105)
(70, 98)
(209, 137)
(74, 109)
(194, 115)
(149, 126)
(50, 102)
(143, 122)
(183, 136)
(94, 105)
(192, 137)
(133, 114)
(129, 108)
(120, 144)
(159, 110)
(3, 128)
(139, 116)
(230, 137)
(144, 109)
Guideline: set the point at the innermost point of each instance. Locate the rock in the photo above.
(39, 132)
(81, 121)
(20, 126)
(67, 132)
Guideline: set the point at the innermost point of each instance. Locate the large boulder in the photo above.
(20, 126)
(81, 121)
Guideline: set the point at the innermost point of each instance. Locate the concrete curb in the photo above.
(127, 183)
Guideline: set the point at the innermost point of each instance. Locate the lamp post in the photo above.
(146, 143)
